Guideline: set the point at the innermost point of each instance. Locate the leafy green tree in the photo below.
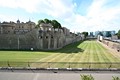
(118, 34)
(55, 24)
(40, 21)
(108, 34)
(100, 33)
(85, 34)
(47, 21)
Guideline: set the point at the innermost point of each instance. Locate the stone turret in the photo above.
(50, 38)
(18, 21)
(45, 33)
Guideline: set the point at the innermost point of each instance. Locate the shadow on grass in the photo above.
(71, 48)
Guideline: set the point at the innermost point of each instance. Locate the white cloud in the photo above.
(51, 7)
(11, 3)
(57, 8)
(98, 17)
(13, 18)
(28, 5)
(95, 8)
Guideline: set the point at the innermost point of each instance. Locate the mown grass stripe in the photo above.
(47, 58)
(109, 57)
(103, 58)
(87, 51)
(104, 52)
(96, 57)
(108, 54)
(80, 46)
(83, 54)
(80, 54)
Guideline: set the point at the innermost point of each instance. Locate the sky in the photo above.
(76, 15)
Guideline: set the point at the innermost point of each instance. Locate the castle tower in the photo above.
(45, 35)
(18, 21)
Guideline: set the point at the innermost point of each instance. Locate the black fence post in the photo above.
(30, 67)
(9, 66)
(48, 65)
(28, 64)
(89, 65)
(69, 64)
(110, 66)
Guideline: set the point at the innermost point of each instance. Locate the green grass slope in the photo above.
(69, 56)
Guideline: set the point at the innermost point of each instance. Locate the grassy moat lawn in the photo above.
(80, 52)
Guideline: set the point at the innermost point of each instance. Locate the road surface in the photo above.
(54, 75)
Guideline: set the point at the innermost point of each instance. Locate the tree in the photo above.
(118, 34)
(47, 21)
(100, 33)
(85, 34)
(40, 21)
(108, 34)
(55, 24)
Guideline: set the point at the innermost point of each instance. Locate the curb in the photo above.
(59, 69)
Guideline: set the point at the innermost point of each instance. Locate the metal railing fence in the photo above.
(61, 64)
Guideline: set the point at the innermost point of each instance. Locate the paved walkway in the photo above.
(50, 75)
(53, 76)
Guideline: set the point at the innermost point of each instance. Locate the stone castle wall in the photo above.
(43, 38)
(14, 41)
(35, 40)
(111, 44)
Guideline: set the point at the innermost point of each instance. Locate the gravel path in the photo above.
(53, 76)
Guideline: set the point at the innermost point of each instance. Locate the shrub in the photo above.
(115, 78)
(87, 77)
